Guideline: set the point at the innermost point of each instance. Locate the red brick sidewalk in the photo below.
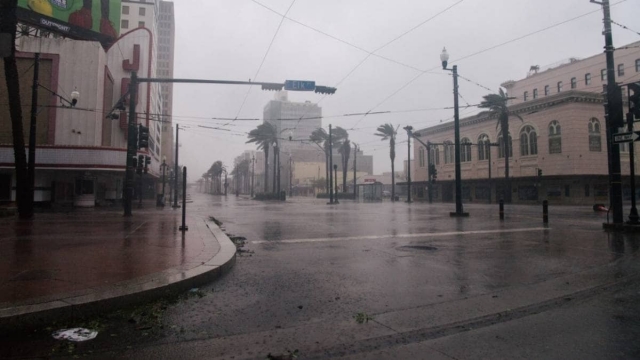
(60, 255)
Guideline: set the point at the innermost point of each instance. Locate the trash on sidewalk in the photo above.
(75, 334)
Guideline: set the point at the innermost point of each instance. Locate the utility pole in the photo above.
(31, 166)
(175, 161)
(614, 118)
(409, 129)
(330, 167)
(253, 172)
(355, 163)
(290, 176)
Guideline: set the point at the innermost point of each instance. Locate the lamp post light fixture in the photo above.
(444, 57)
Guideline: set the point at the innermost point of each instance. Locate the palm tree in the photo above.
(264, 136)
(345, 152)
(216, 173)
(497, 105)
(387, 132)
(320, 136)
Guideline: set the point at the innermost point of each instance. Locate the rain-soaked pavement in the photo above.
(424, 284)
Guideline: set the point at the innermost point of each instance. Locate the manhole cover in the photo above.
(417, 247)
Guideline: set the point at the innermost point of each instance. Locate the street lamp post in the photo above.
(226, 184)
(290, 176)
(355, 162)
(335, 171)
(164, 169)
(253, 172)
(444, 57)
(409, 129)
(330, 166)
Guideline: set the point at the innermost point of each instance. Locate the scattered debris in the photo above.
(75, 334)
(494, 296)
(362, 317)
(194, 290)
(300, 307)
(289, 355)
(218, 222)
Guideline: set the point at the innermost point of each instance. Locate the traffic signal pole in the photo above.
(131, 147)
(614, 119)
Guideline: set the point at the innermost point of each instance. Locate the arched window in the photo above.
(546, 90)
(449, 151)
(435, 155)
(421, 156)
(637, 65)
(595, 140)
(559, 86)
(555, 138)
(483, 148)
(465, 150)
(528, 141)
(526, 95)
(535, 93)
(501, 148)
(574, 83)
(587, 79)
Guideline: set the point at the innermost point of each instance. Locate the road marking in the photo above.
(374, 237)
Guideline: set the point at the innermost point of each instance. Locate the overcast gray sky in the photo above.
(228, 39)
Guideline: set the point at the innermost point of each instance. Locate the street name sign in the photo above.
(299, 85)
(626, 137)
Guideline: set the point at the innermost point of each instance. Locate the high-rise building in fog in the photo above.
(166, 42)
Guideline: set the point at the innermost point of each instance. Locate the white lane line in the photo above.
(374, 237)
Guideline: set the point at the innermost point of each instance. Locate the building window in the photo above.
(421, 156)
(483, 147)
(637, 65)
(567, 190)
(449, 152)
(125, 10)
(526, 95)
(465, 150)
(559, 86)
(603, 74)
(535, 93)
(140, 23)
(587, 79)
(546, 90)
(595, 140)
(574, 83)
(142, 11)
(528, 141)
(435, 155)
(620, 69)
(124, 24)
(555, 138)
(501, 148)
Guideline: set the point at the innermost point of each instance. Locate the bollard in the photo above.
(545, 211)
(501, 209)
(184, 227)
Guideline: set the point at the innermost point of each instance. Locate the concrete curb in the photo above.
(139, 290)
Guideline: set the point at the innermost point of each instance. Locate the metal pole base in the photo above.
(455, 214)
(633, 217)
(184, 228)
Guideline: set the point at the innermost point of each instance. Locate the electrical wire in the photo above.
(624, 27)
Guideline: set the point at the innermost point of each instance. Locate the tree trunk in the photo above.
(326, 171)
(393, 181)
(345, 165)
(275, 169)
(8, 25)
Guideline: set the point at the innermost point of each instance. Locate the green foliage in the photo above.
(362, 317)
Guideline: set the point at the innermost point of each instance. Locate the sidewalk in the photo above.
(69, 264)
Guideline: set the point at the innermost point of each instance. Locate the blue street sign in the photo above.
(299, 85)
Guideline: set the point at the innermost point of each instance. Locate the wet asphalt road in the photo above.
(511, 289)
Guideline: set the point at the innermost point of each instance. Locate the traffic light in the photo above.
(272, 87)
(134, 162)
(143, 137)
(539, 172)
(634, 99)
(325, 90)
(613, 110)
(147, 162)
(134, 137)
(140, 164)
(433, 172)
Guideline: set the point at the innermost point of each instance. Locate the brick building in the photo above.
(562, 134)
